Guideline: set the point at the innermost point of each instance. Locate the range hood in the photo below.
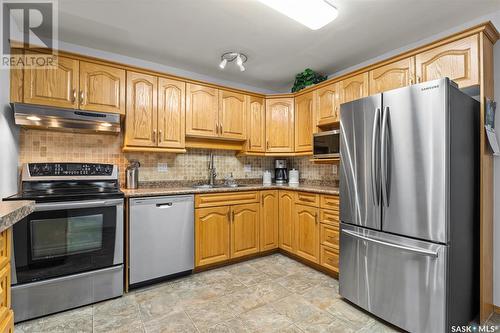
(38, 116)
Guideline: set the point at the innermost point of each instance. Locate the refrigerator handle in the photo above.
(374, 159)
(411, 249)
(383, 158)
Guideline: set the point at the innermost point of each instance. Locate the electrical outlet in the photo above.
(334, 169)
(162, 167)
(247, 168)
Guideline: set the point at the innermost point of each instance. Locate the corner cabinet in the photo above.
(256, 130)
(280, 125)
(304, 123)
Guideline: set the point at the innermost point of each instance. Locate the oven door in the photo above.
(326, 144)
(64, 238)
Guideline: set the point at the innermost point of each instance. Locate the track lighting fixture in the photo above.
(232, 56)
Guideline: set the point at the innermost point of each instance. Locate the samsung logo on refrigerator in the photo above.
(431, 87)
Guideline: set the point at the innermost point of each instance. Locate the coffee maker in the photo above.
(280, 172)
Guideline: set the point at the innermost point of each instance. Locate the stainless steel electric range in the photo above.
(69, 251)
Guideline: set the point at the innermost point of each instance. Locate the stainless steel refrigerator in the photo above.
(408, 206)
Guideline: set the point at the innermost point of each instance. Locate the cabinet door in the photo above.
(279, 125)
(394, 75)
(354, 87)
(211, 235)
(269, 220)
(202, 105)
(286, 221)
(256, 130)
(307, 232)
(303, 123)
(232, 115)
(244, 229)
(53, 86)
(141, 120)
(458, 60)
(102, 88)
(327, 103)
(171, 113)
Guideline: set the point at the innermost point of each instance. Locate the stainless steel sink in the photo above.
(207, 186)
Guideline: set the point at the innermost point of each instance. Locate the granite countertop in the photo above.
(12, 212)
(177, 189)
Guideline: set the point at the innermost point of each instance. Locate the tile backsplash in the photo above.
(51, 146)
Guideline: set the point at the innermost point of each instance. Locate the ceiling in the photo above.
(192, 34)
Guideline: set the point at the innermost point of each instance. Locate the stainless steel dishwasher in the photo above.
(161, 238)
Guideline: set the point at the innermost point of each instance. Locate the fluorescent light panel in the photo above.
(314, 14)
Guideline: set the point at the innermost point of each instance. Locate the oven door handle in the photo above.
(76, 204)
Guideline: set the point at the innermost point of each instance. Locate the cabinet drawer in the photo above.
(329, 258)
(4, 247)
(329, 236)
(225, 199)
(330, 217)
(309, 199)
(330, 202)
(7, 324)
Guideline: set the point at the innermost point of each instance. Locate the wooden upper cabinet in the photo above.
(458, 60)
(269, 218)
(102, 88)
(327, 104)
(171, 113)
(53, 86)
(232, 115)
(354, 87)
(391, 76)
(245, 229)
(256, 130)
(212, 235)
(141, 120)
(304, 122)
(307, 232)
(286, 221)
(279, 125)
(202, 111)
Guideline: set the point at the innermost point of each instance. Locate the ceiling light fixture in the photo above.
(232, 56)
(314, 14)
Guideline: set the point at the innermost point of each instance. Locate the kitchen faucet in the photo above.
(211, 170)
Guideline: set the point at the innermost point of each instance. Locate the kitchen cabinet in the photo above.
(280, 125)
(329, 258)
(171, 113)
(245, 228)
(232, 115)
(354, 87)
(286, 221)
(6, 314)
(327, 104)
(269, 225)
(307, 232)
(102, 88)
(304, 122)
(57, 87)
(256, 138)
(202, 111)
(212, 235)
(142, 110)
(457, 60)
(391, 76)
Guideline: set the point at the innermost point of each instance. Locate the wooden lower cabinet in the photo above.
(244, 229)
(286, 221)
(330, 258)
(307, 232)
(212, 235)
(269, 217)
(6, 314)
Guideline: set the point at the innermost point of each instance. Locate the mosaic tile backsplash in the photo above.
(50, 146)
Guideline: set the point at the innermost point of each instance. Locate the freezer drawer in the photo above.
(400, 280)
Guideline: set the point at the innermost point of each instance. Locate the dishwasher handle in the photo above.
(164, 205)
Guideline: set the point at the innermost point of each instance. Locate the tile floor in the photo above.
(269, 294)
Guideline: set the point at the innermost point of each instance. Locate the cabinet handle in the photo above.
(73, 99)
(267, 144)
(159, 136)
(217, 128)
(229, 216)
(249, 143)
(411, 81)
(316, 217)
(232, 216)
(81, 96)
(220, 128)
(154, 136)
(418, 79)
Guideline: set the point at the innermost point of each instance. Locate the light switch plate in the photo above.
(247, 168)
(162, 167)
(334, 169)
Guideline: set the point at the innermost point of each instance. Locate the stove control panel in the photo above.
(69, 169)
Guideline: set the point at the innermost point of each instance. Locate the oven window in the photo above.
(51, 238)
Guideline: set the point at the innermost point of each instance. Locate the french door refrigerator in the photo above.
(408, 206)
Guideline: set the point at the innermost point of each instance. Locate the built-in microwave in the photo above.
(326, 144)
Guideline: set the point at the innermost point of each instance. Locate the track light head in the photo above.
(223, 63)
